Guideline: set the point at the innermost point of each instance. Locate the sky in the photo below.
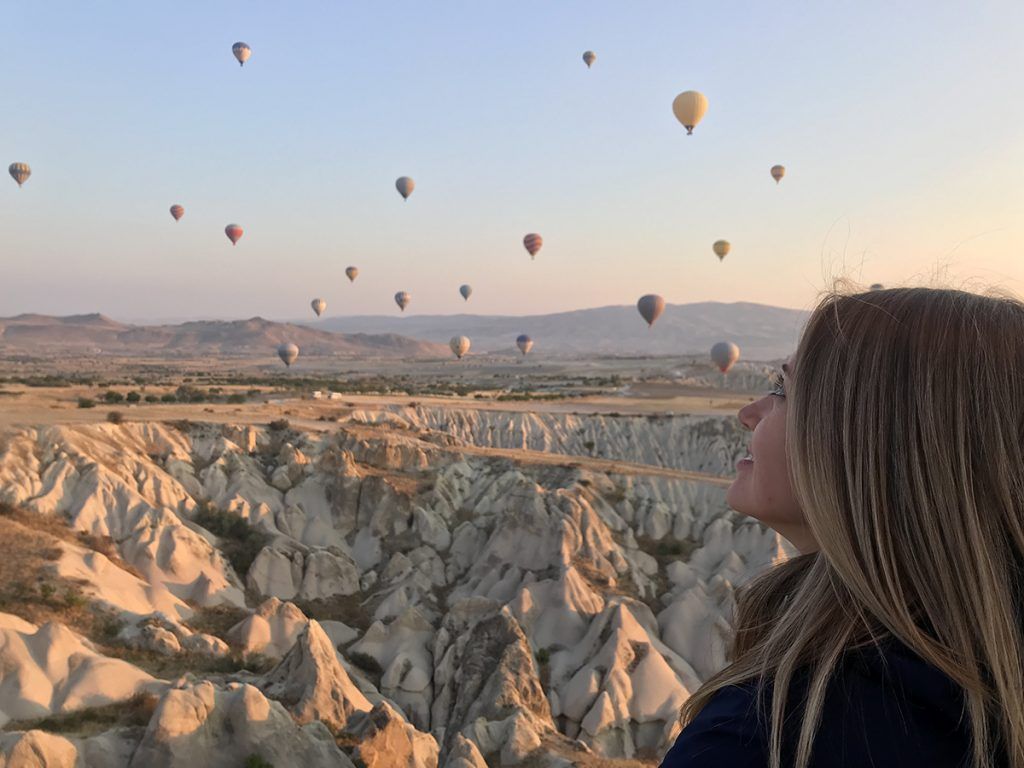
(900, 124)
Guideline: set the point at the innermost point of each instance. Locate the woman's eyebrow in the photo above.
(785, 369)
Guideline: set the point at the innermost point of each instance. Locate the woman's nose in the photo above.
(750, 414)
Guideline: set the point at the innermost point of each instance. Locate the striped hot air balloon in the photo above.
(242, 52)
(533, 243)
(351, 273)
(177, 212)
(234, 233)
(19, 172)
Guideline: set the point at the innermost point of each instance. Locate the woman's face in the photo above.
(761, 489)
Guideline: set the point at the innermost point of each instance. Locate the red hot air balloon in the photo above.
(533, 243)
(234, 233)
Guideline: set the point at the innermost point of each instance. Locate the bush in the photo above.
(85, 402)
(113, 397)
(168, 398)
(152, 399)
(543, 655)
(241, 542)
(236, 398)
(366, 662)
(115, 417)
(279, 425)
(256, 761)
(133, 397)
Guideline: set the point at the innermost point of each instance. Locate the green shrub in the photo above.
(241, 543)
(256, 761)
(133, 397)
(279, 425)
(543, 655)
(85, 402)
(115, 417)
(113, 397)
(152, 399)
(168, 397)
(366, 662)
(236, 398)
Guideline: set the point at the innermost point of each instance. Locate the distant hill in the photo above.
(253, 337)
(762, 332)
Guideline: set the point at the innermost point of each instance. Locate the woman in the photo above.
(891, 454)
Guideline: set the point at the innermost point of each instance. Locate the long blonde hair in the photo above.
(905, 437)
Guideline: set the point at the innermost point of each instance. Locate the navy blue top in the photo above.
(885, 707)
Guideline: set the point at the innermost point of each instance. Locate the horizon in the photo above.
(505, 131)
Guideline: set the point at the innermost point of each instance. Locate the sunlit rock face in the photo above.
(414, 598)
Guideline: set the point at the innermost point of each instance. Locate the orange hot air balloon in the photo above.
(177, 212)
(234, 233)
(533, 243)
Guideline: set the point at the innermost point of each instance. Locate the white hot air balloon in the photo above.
(288, 352)
(724, 354)
(778, 171)
(525, 343)
(459, 345)
(242, 52)
(319, 305)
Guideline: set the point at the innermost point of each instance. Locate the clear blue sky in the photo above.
(901, 126)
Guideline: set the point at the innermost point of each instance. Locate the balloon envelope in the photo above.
(319, 305)
(721, 248)
(19, 172)
(402, 299)
(234, 233)
(459, 345)
(778, 171)
(589, 57)
(177, 212)
(351, 273)
(288, 352)
(465, 290)
(405, 186)
(242, 52)
(533, 242)
(724, 354)
(689, 108)
(525, 343)
(650, 306)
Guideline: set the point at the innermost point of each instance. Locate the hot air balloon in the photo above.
(402, 299)
(465, 290)
(778, 171)
(234, 233)
(459, 345)
(724, 354)
(650, 306)
(525, 343)
(319, 305)
(19, 172)
(351, 273)
(288, 352)
(242, 52)
(876, 287)
(689, 108)
(721, 248)
(405, 186)
(533, 243)
(177, 212)
(589, 57)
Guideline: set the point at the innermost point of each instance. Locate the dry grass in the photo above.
(345, 608)
(136, 711)
(216, 620)
(170, 667)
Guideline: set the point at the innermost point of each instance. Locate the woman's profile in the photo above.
(890, 453)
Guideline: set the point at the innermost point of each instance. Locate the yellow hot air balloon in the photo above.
(721, 248)
(689, 108)
(778, 171)
(19, 172)
(242, 52)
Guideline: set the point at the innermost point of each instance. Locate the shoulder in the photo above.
(884, 706)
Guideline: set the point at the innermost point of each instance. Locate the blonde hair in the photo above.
(905, 437)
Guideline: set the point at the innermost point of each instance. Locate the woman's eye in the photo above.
(778, 386)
